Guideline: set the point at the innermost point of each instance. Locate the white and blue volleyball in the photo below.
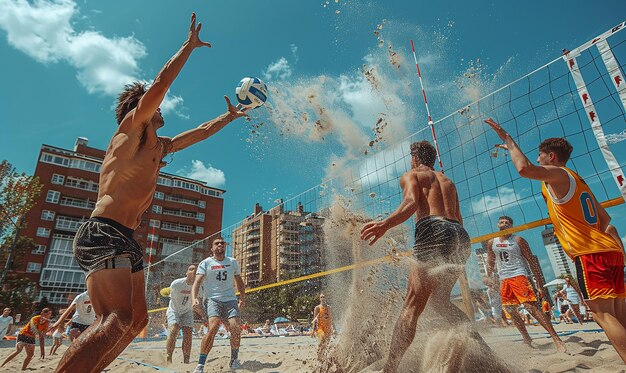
(251, 93)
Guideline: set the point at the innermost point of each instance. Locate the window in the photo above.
(40, 250)
(159, 195)
(155, 223)
(200, 216)
(150, 251)
(85, 165)
(47, 215)
(58, 179)
(199, 229)
(156, 209)
(55, 159)
(53, 196)
(152, 237)
(201, 204)
(67, 223)
(43, 232)
(33, 267)
(164, 181)
(78, 183)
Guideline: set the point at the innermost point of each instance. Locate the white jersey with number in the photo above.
(84, 313)
(180, 297)
(509, 259)
(219, 278)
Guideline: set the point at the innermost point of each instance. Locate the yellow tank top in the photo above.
(575, 219)
(323, 319)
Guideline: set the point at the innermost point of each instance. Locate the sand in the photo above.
(591, 352)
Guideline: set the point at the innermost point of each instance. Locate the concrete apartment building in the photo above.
(275, 245)
(183, 211)
(561, 263)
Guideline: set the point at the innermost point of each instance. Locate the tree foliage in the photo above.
(18, 193)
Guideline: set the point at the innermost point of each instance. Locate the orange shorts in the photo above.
(601, 275)
(516, 290)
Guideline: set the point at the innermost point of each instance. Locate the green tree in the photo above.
(18, 193)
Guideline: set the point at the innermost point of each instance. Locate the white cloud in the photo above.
(614, 138)
(43, 30)
(278, 70)
(504, 197)
(294, 52)
(209, 174)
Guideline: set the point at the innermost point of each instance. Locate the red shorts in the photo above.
(516, 290)
(601, 275)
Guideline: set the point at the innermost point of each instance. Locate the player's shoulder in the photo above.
(177, 282)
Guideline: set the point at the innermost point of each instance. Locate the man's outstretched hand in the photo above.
(233, 111)
(194, 34)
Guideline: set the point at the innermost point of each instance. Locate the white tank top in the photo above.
(509, 259)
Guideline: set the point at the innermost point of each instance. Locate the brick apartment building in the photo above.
(275, 245)
(183, 211)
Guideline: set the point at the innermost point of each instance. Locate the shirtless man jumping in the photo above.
(440, 240)
(104, 246)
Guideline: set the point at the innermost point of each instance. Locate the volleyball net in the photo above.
(288, 252)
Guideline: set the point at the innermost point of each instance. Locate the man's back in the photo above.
(437, 194)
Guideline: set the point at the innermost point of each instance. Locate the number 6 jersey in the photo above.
(219, 278)
(575, 219)
(509, 259)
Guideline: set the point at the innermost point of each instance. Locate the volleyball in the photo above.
(251, 92)
(165, 292)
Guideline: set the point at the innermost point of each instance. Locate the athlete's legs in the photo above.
(235, 332)
(186, 343)
(440, 300)
(519, 323)
(418, 292)
(547, 325)
(170, 344)
(620, 310)
(30, 351)
(576, 311)
(18, 348)
(118, 300)
(209, 337)
(604, 313)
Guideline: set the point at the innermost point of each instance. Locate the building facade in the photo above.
(561, 263)
(277, 245)
(183, 212)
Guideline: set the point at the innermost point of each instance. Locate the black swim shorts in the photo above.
(102, 243)
(79, 326)
(441, 240)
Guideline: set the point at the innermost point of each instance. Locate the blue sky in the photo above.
(65, 61)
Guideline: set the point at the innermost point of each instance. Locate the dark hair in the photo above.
(424, 152)
(557, 145)
(217, 238)
(510, 219)
(129, 99)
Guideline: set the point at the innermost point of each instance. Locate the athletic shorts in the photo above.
(25, 339)
(601, 275)
(441, 240)
(517, 290)
(102, 243)
(182, 319)
(224, 310)
(79, 326)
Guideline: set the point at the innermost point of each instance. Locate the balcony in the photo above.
(81, 184)
(180, 199)
(174, 227)
(181, 213)
(68, 224)
(79, 203)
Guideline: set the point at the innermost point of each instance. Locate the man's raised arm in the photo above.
(207, 129)
(152, 99)
(524, 166)
(410, 197)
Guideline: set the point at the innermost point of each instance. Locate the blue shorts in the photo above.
(223, 310)
(182, 319)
